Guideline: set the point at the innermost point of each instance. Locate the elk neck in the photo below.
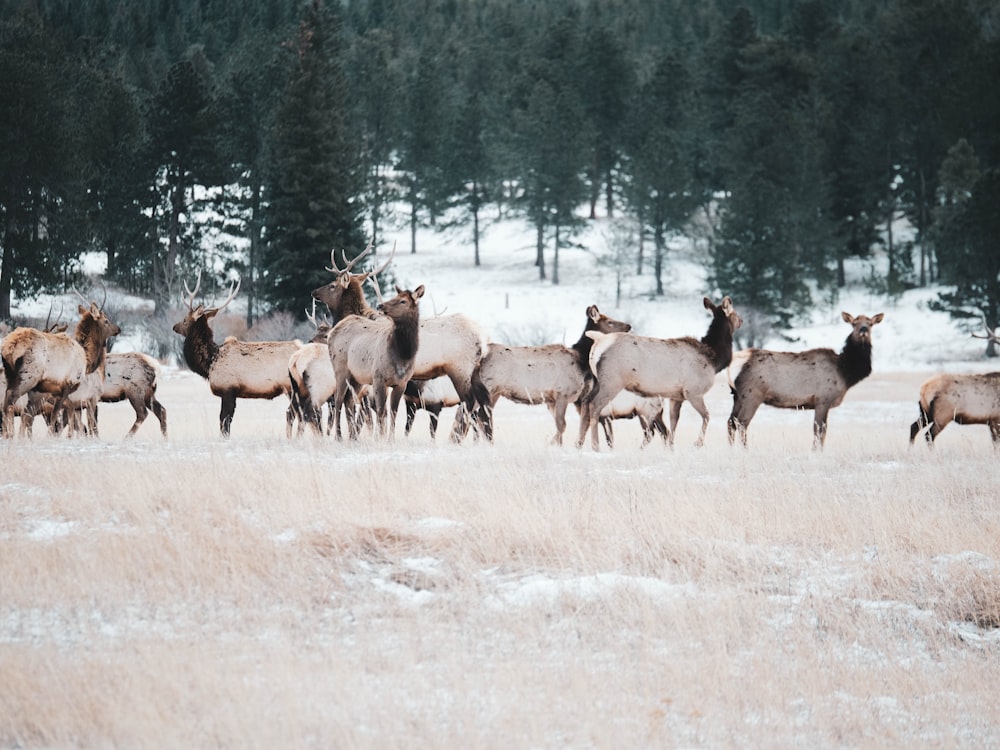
(719, 339)
(405, 337)
(583, 346)
(200, 349)
(352, 302)
(855, 360)
(88, 335)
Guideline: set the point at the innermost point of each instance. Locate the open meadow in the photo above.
(260, 592)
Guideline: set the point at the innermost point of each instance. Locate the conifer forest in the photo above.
(788, 135)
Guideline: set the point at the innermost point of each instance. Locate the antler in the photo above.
(990, 334)
(233, 289)
(191, 294)
(373, 278)
(348, 266)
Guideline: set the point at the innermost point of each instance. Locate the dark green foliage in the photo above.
(312, 179)
(793, 131)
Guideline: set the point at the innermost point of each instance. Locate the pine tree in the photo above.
(312, 180)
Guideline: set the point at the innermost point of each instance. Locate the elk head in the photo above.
(862, 326)
(344, 295)
(201, 313)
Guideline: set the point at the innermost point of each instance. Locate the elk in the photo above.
(628, 405)
(962, 399)
(814, 379)
(53, 363)
(236, 369)
(450, 345)
(311, 374)
(378, 352)
(133, 376)
(676, 369)
(433, 396)
(552, 374)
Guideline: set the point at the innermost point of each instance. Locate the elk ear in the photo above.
(593, 313)
(848, 318)
(418, 292)
(344, 280)
(708, 304)
(83, 310)
(878, 318)
(727, 304)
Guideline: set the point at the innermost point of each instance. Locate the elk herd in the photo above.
(363, 361)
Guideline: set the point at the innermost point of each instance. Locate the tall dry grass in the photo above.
(261, 593)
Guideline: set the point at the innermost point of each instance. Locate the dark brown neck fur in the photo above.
(405, 337)
(88, 335)
(719, 339)
(200, 349)
(855, 361)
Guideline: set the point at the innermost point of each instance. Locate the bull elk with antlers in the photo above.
(236, 369)
(681, 369)
(53, 363)
(814, 379)
(962, 399)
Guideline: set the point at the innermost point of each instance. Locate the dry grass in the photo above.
(260, 593)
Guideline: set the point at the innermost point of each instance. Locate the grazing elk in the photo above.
(133, 376)
(814, 379)
(236, 369)
(554, 375)
(378, 352)
(962, 399)
(53, 363)
(431, 395)
(628, 405)
(681, 369)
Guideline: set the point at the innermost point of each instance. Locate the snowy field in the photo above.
(260, 592)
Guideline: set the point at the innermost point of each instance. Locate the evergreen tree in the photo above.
(312, 179)
(40, 159)
(183, 138)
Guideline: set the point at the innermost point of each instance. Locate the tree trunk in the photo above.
(555, 259)
(540, 248)
(255, 237)
(475, 222)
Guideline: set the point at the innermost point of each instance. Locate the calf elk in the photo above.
(962, 399)
(814, 379)
(677, 369)
(237, 369)
(554, 375)
(53, 363)
(628, 405)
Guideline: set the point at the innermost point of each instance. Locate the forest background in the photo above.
(250, 138)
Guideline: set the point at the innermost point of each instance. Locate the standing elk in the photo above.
(450, 345)
(814, 379)
(553, 374)
(628, 405)
(236, 369)
(133, 376)
(962, 399)
(311, 374)
(681, 369)
(379, 352)
(53, 363)
(431, 395)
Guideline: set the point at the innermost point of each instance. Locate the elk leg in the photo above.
(699, 406)
(922, 422)
(435, 414)
(819, 427)
(609, 432)
(995, 433)
(411, 414)
(139, 407)
(397, 396)
(558, 409)
(226, 412)
(160, 413)
(592, 406)
(675, 417)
